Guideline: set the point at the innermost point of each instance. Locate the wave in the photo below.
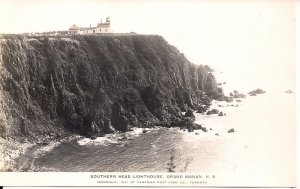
(116, 138)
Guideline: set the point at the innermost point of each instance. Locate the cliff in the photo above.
(92, 84)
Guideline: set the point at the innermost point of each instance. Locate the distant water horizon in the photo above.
(265, 76)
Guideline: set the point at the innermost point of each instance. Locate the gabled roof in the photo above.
(87, 28)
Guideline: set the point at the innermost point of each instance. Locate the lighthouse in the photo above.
(104, 27)
(100, 28)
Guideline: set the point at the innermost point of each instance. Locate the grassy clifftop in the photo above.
(91, 84)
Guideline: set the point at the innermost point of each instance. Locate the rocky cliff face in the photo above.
(92, 84)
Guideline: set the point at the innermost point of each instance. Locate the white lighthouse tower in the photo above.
(104, 27)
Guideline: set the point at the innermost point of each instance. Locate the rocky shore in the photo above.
(18, 155)
(93, 85)
(55, 87)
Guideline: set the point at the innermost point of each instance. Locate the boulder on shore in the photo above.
(231, 130)
(228, 98)
(213, 111)
(118, 119)
(189, 113)
(204, 129)
(221, 114)
(236, 94)
(187, 123)
(145, 131)
(201, 109)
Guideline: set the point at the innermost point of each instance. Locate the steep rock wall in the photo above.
(89, 84)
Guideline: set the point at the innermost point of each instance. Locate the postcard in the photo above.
(148, 93)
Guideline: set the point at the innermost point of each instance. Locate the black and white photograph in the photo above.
(191, 93)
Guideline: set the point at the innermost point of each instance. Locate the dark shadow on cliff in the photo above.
(96, 84)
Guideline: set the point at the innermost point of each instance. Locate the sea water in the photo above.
(261, 151)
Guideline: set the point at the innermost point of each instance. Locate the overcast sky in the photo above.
(221, 33)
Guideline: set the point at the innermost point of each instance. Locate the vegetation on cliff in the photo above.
(96, 84)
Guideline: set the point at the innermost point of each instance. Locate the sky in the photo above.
(249, 38)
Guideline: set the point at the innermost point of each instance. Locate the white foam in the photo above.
(49, 147)
(136, 131)
(115, 138)
(106, 140)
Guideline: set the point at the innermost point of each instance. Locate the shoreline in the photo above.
(20, 156)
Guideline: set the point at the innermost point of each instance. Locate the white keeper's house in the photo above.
(101, 28)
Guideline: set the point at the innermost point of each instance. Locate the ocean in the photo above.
(261, 151)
